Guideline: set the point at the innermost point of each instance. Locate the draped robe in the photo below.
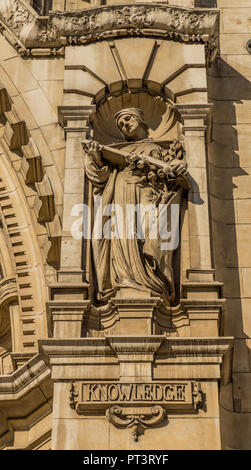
(135, 263)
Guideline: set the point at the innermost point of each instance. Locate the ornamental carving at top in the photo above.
(94, 24)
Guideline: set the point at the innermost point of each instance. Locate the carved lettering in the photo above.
(124, 393)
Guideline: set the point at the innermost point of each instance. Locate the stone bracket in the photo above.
(138, 419)
(15, 132)
(5, 102)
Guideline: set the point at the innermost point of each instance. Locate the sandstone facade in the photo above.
(146, 347)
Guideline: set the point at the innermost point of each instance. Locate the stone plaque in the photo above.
(91, 396)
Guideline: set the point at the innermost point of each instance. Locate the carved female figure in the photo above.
(135, 262)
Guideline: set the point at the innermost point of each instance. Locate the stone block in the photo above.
(43, 113)
(237, 318)
(69, 436)
(231, 277)
(70, 200)
(240, 63)
(234, 43)
(7, 83)
(46, 69)
(135, 55)
(43, 146)
(76, 176)
(200, 253)
(221, 155)
(188, 80)
(53, 90)
(232, 4)
(24, 112)
(235, 430)
(246, 282)
(97, 58)
(223, 211)
(241, 359)
(241, 390)
(80, 81)
(243, 211)
(228, 88)
(6, 50)
(194, 97)
(236, 20)
(54, 136)
(20, 75)
(171, 59)
(59, 158)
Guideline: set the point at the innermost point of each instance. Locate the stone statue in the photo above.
(146, 175)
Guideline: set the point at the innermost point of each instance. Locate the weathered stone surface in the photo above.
(62, 80)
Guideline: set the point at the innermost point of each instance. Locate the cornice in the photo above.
(36, 35)
(28, 376)
(111, 345)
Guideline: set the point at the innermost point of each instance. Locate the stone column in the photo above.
(68, 299)
(202, 295)
(195, 120)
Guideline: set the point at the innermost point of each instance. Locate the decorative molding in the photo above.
(8, 291)
(28, 391)
(137, 419)
(17, 384)
(137, 345)
(24, 157)
(197, 346)
(135, 405)
(186, 358)
(73, 395)
(36, 35)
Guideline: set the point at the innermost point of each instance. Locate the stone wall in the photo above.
(229, 157)
(36, 188)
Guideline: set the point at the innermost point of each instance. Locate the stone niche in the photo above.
(136, 368)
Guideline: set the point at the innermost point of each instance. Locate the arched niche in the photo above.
(159, 112)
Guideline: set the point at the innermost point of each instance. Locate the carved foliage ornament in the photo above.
(84, 26)
(18, 16)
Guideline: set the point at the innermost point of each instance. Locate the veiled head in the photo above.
(130, 122)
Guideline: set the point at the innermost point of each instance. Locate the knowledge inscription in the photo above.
(127, 393)
(93, 396)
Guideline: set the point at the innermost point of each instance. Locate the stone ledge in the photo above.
(16, 385)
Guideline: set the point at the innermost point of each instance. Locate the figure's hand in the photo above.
(93, 149)
(178, 167)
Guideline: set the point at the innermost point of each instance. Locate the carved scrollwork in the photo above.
(197, 394)
(147, 418)
(95, 24)
(47, 32)
(73, 395)
(132, 16)
(18, 17)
